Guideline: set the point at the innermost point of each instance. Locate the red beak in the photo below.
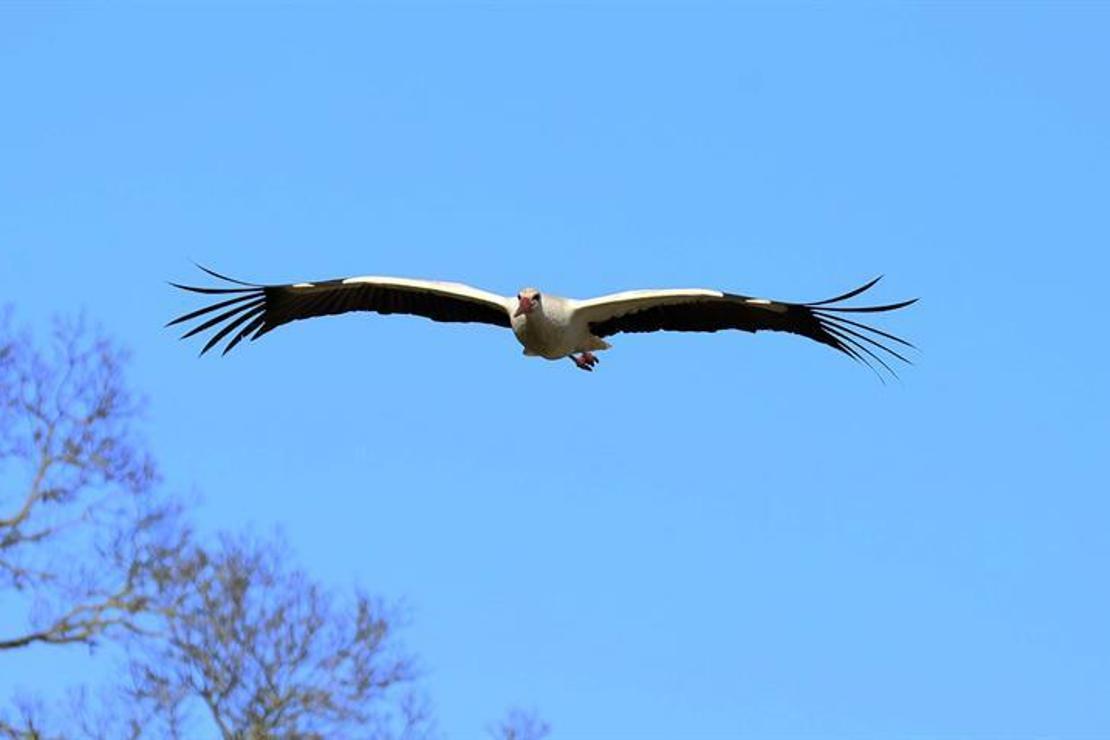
(525, 306)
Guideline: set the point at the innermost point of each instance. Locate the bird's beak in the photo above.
(525, 306)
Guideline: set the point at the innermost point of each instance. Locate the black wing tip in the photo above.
(850, 294)
(869, 309)
(214, 291)
(827, 304)
(860, 341)
(195, 289)
(842, 320)
(855, 345)
(223, 277)
(857, 357)
(250, 298)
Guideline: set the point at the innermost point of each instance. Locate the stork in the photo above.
(547, 325)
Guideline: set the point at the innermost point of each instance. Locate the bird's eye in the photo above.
(536, 297)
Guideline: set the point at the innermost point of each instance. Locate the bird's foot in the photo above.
(586, 361)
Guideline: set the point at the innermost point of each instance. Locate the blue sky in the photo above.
(713, 535)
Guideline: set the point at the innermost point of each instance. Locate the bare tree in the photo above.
(228, 635)
(80, 528)
(520, 724)
(247, 647)
(267, 652)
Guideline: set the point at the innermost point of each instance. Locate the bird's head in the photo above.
(528, 300)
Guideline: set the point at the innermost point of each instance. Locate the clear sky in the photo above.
(713, 535)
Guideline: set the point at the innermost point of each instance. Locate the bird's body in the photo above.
(546, 325)
(547, 334)
(555, 329)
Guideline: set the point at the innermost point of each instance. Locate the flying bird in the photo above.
(547, 325)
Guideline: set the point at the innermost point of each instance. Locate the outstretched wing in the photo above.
(253, 310)
(713, 310)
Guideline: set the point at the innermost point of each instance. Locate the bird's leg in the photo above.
(586, 361)
(582, 364)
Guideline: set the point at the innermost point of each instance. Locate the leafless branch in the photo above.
(267, 651)
(78, 517)
(90, 551)
(520, 724)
